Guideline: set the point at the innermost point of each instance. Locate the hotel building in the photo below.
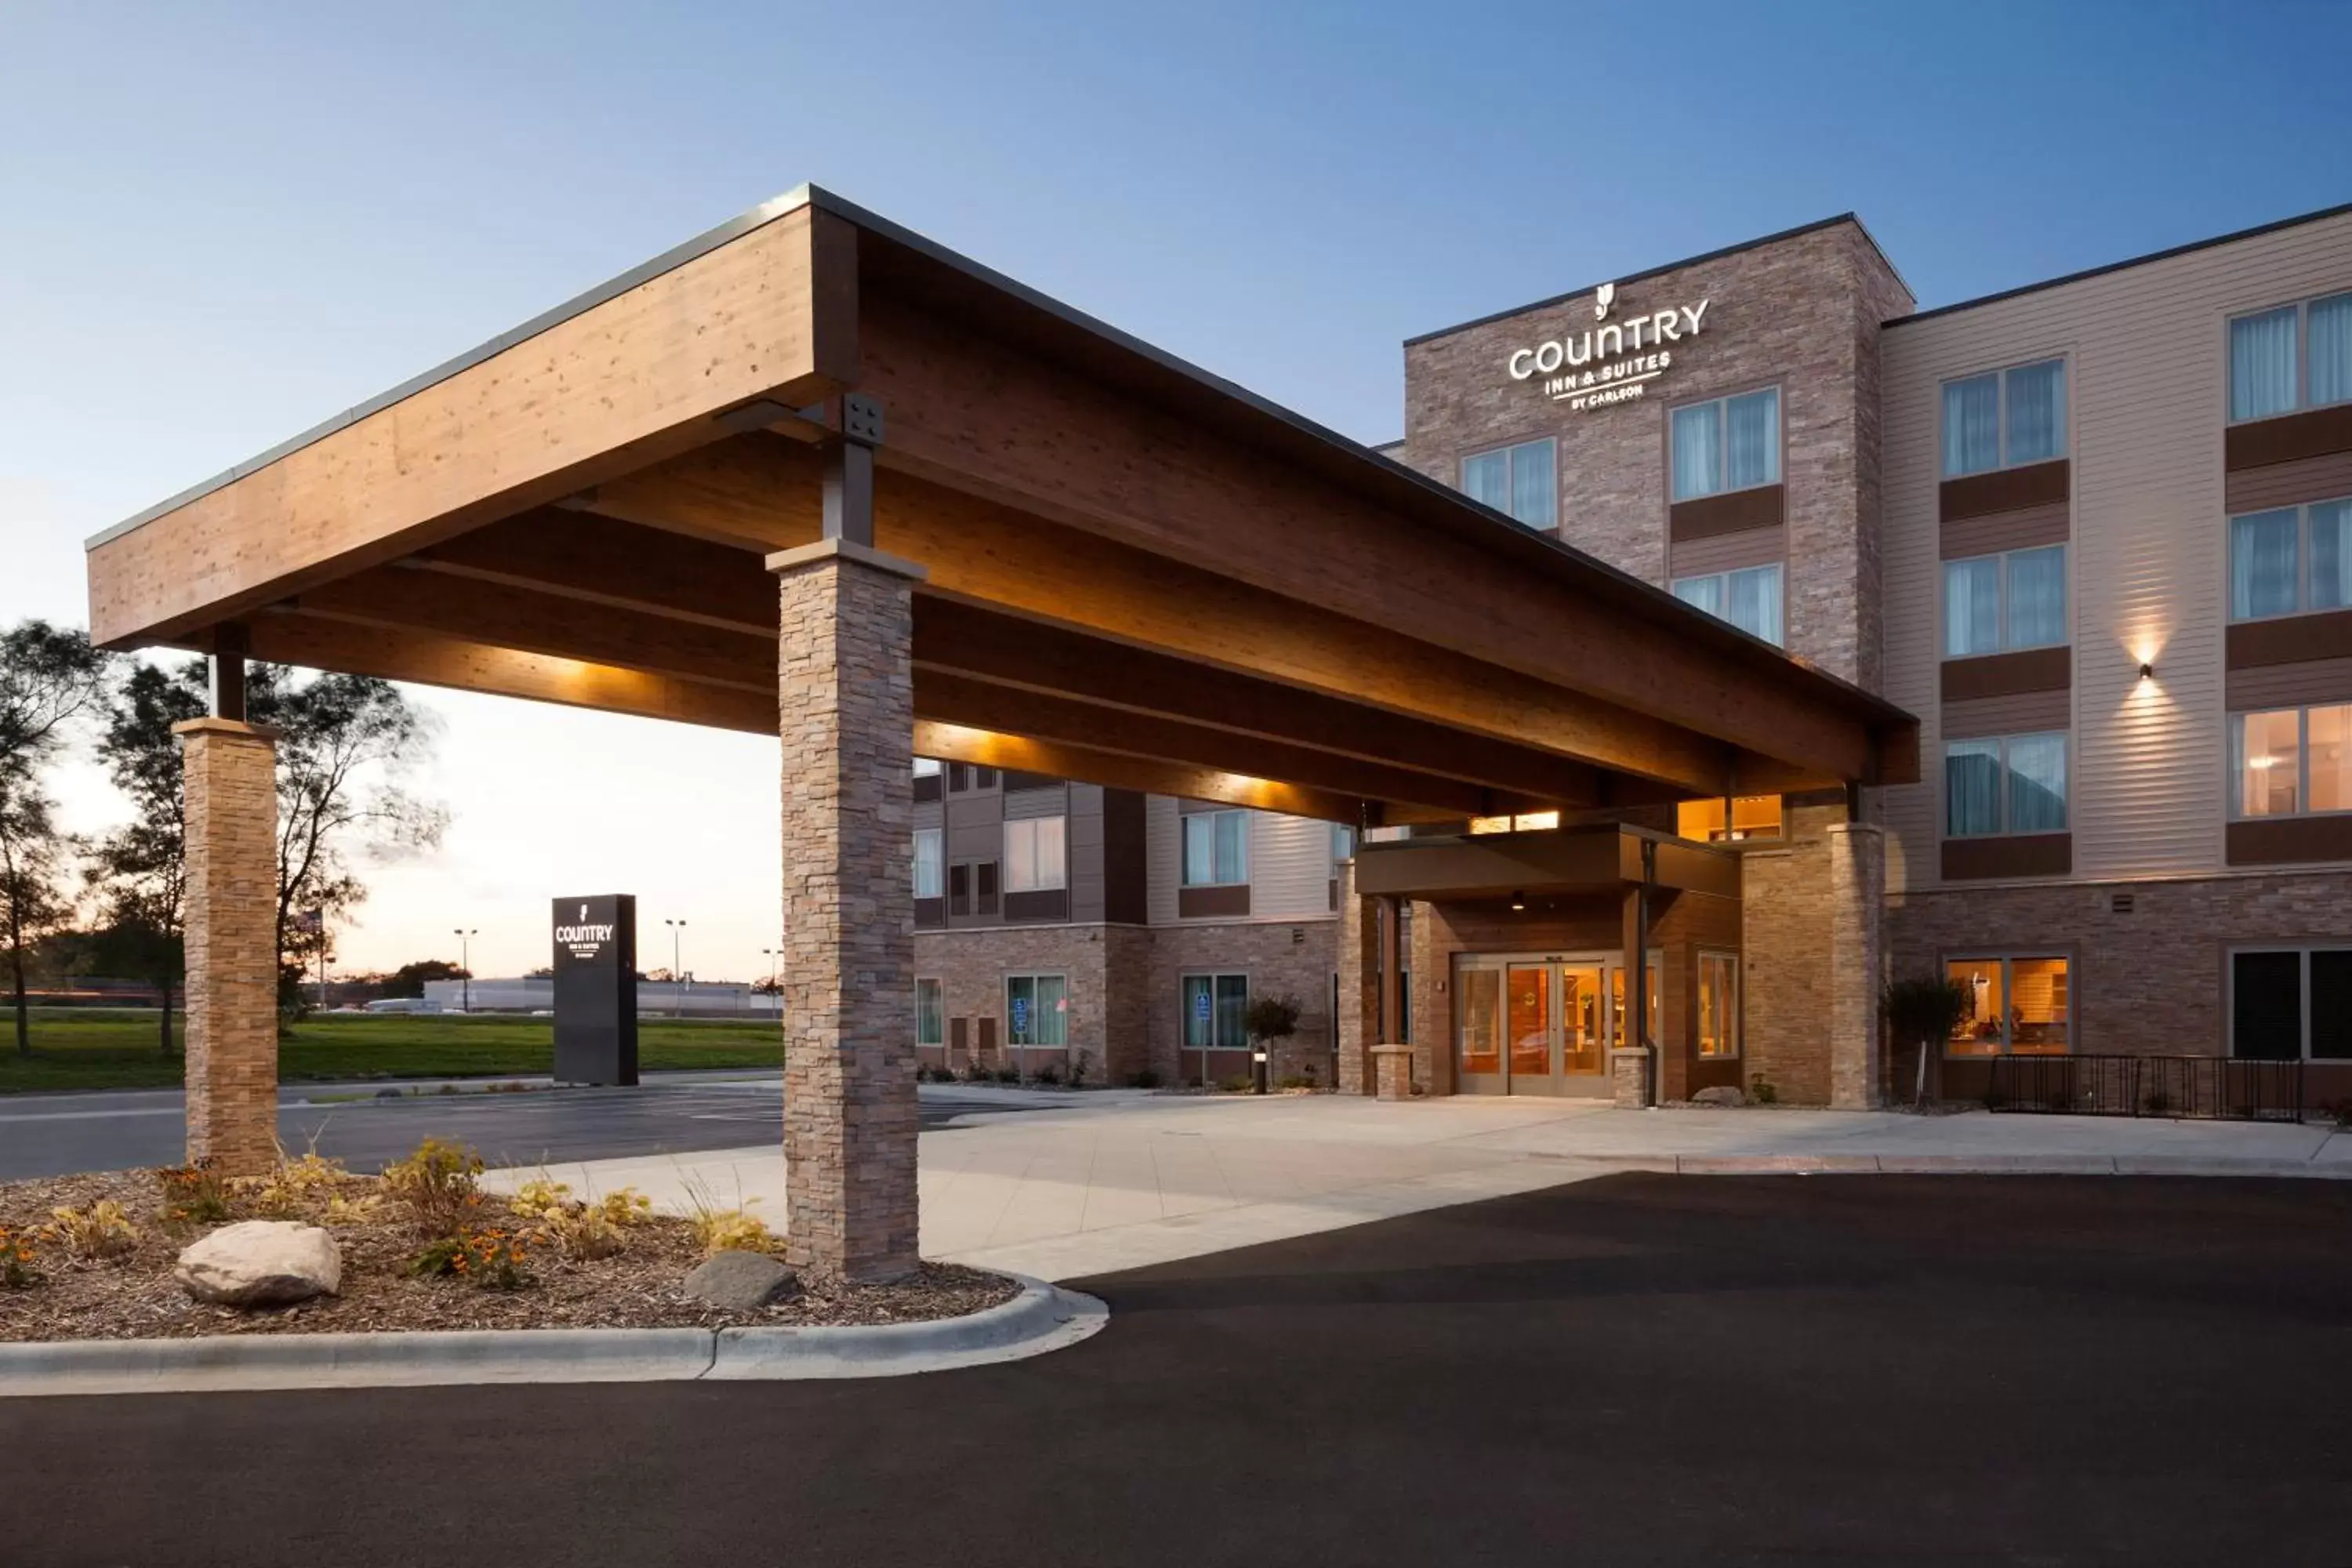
(2095, 534)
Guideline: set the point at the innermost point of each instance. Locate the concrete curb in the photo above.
(1955, 1165)
(1041, 1317)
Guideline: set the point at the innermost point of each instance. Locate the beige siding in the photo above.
(1290, 867)
(2147, 390)
(1162, 855)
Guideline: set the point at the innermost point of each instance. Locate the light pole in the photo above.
(465, 967)
(676, 974)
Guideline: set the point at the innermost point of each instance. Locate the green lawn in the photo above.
(74, 1048)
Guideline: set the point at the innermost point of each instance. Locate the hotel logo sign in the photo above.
(1609, 362)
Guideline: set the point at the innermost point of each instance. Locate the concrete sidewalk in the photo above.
(1110, 1182)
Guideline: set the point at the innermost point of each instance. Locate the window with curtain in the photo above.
(1750, 598)
(1216, 849)
(2268, 552)
(1729, 444)
(1214, 1007)
(2003, 419)
(1036, 1010)
(2006, 783)
(2328, 324)
(1033, 854)
(930, 1016)
(930, 862)
(2263, 370)
(1995, 604)
(1521, 480)
(2291, 762)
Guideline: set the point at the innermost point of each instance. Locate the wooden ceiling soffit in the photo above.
(768, 316)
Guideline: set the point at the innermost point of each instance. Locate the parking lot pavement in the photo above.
(56, 1134)
(1641, 1370)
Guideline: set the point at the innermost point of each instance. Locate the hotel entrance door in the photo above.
(1531, 1024)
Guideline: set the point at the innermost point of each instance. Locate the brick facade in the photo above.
(846, 700)
(231, 817)
(1295, 959)
(1790, 972)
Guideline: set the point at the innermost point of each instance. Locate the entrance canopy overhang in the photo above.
(1133, 573)
(1570, 860)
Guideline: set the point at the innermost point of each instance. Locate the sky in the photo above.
(222, 223)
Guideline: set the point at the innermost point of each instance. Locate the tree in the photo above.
(48, 679)
(1923, 1011)
(140, 869)
(346, 745)
(409, 979)
(1267, 1019)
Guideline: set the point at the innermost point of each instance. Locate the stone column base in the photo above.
(1628, 1067)
(1392, 1071)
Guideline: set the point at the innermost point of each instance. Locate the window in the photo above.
(1343, 843)
(1033, 859)
(930, 1016)
(2017, 1006)
(2291, 762)
(1525, 822)
(2288, 1003)
(1749, 599)
(1214, 1007)
(2294, 559)
(930, 862)
(2009, 784)
(927, 767)
(1036, 1010)
(2297, 356)
(1718, 1004)
(1752, 817)
(1996, 604)
(2005, 419)
(1516, 480)
(1216, 849)
(1730, 444)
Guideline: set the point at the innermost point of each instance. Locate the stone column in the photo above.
(846, 714)
(231, 823)
(1359, 1001)
(1857, 955)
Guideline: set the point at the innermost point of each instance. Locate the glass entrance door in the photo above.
(1526, 1024)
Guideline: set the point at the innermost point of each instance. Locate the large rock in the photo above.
(741, 1281)
(261, 1263)
(1721, 1094)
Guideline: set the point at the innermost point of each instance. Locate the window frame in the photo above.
(1721, 405)
(1004, 990)
(938, 840)
(2002, 461)
(2233, 747)
(2004, 830)
(1030, 827)
(1676, 587)
(927, 767)
(2303, 949)
(1732, 1016)
(1183, 858)
(2303, 403)
(2303, 557)
(2001, 641)
(940, 1000)
(1184, 1018)
(1509, 452)
(2005, 957)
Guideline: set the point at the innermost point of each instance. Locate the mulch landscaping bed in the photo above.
(133, 1296)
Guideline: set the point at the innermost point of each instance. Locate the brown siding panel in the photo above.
(931, 914)
(2027, 854)
(927, 786)
(2290, 685)
(1206, 903)
(2288, 839)
(2325, 477)
(2022, 713)
(1727, 551)
(2008, 674)
(2005, 489)
(1989, 534)
(1044, 904)
(1126, 859)
(2291, 639)
(2289, 438)
(1740, 511)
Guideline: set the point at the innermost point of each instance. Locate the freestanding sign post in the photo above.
(596, 989)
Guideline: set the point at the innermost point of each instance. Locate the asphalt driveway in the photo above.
(1633, 1370)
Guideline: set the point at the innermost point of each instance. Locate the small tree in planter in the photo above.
(1923, 1011)
(1268, 1019)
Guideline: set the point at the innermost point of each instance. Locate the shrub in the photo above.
(723, 1229)
(580, 1233)
(489, 1259)
(192, 1194)
(362, 1210)
(287, 1188)
(440, 1183)
(974, 1071)
(1297, 1080)
(16, 1260)
(536, 1200)
(1270, 1018)
(1144, 1077)
(626, 1206)
(1079, 1062)
(1760, 1090)
(101, 1230)
(1048, 1074)
(1922, 1012)
(1240, 1085)
(2159, 1103)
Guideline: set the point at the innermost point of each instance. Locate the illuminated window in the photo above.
(1718, 1004)
(1752, 817)
(2016, 1006)
(1525, 822)
(2291, 762)
(927, 767)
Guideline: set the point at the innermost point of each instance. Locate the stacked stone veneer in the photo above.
(231, 817)
(845, 702)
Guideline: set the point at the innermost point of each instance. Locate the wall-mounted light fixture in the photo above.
(1518, 902)
(2147, 672)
